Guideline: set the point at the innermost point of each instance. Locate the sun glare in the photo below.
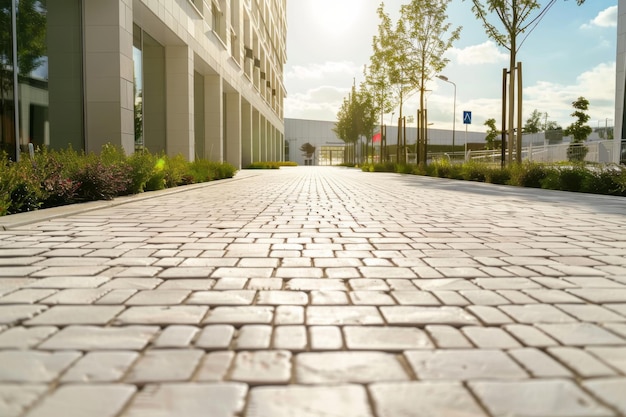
(334, 17)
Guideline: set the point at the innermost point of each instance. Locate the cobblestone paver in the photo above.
(317, 291)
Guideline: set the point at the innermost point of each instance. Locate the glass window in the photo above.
(7, 105)
(50, 92)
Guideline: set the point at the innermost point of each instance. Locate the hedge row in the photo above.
(54, 178)
(609, 180)
(271, 165)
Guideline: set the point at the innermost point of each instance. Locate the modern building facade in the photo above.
(201, 78)
(620, 83)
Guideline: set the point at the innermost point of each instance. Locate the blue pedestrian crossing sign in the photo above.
(467, 117)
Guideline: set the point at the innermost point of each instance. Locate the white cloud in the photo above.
(597, 85)
(484, 53)
(321, 103)
(321, 71)
(607, 18)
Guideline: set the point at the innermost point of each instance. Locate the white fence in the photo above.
(602, 152)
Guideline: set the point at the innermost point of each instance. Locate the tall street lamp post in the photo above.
(444, 78)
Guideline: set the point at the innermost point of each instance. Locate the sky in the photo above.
(571, 53)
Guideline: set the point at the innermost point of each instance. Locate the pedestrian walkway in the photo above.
(316, 292)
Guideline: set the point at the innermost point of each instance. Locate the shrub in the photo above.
(443, 168)
(226, 170)
(174, 169)
(56, 185)
(143, 170)
(608, 180)
(552, 180)
(420, 169)
(201, 170)
(572, 179)
(497, 175)
(263, 165)
(403, 169)
(384, 167)
(576, 152)
(474, 171)
(528, 174)
(102, 182)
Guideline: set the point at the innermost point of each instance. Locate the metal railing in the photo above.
(602, 152)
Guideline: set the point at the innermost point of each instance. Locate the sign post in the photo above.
(467, 120)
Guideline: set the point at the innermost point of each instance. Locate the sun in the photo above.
(334, 17)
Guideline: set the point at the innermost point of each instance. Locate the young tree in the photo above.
(492, 134)
(356, 118)
(579, 131)
(533, 123)
(423, 38)
(307, 150)
(517, 17)
(377, 75)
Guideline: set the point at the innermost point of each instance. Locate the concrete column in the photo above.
(256, 136)
(109, 97)
(264, 153)
(246, 133)
(233, 129)
(620, 82)
(65, 75)
(180, 95)
(198, 114)
(269, 143)
(213, 118)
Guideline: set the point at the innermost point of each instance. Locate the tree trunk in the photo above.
(512, 57)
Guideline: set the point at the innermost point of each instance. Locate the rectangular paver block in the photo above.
(463, 364)
(537, 398)
(345, 367)
(189, 400)
(309, 401)
(95, 400)
(427, 399)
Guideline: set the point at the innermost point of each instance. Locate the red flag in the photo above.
(376, 137)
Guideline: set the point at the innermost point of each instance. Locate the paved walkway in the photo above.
(311, 292)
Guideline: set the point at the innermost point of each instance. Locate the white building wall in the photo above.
(320, 133)
(240, 52)
(620, 78)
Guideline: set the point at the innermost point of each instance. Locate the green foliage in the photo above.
(533, 123)
(99, 181)
(474, 171)
(572, 179)
(52, 178)
(497, 175)
(492, 134)
(307, 150)
(174, 170)
(443, 168)
(608, 180)
(202, 170)
(22, 188)
(527, 174)
(144, 171)
(579, 131)
(225, 170)
(576, 152)
(54, 171)
(263, 165)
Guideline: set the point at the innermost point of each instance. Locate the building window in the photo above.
(149, 85)
(218, 23)
(50, 81)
